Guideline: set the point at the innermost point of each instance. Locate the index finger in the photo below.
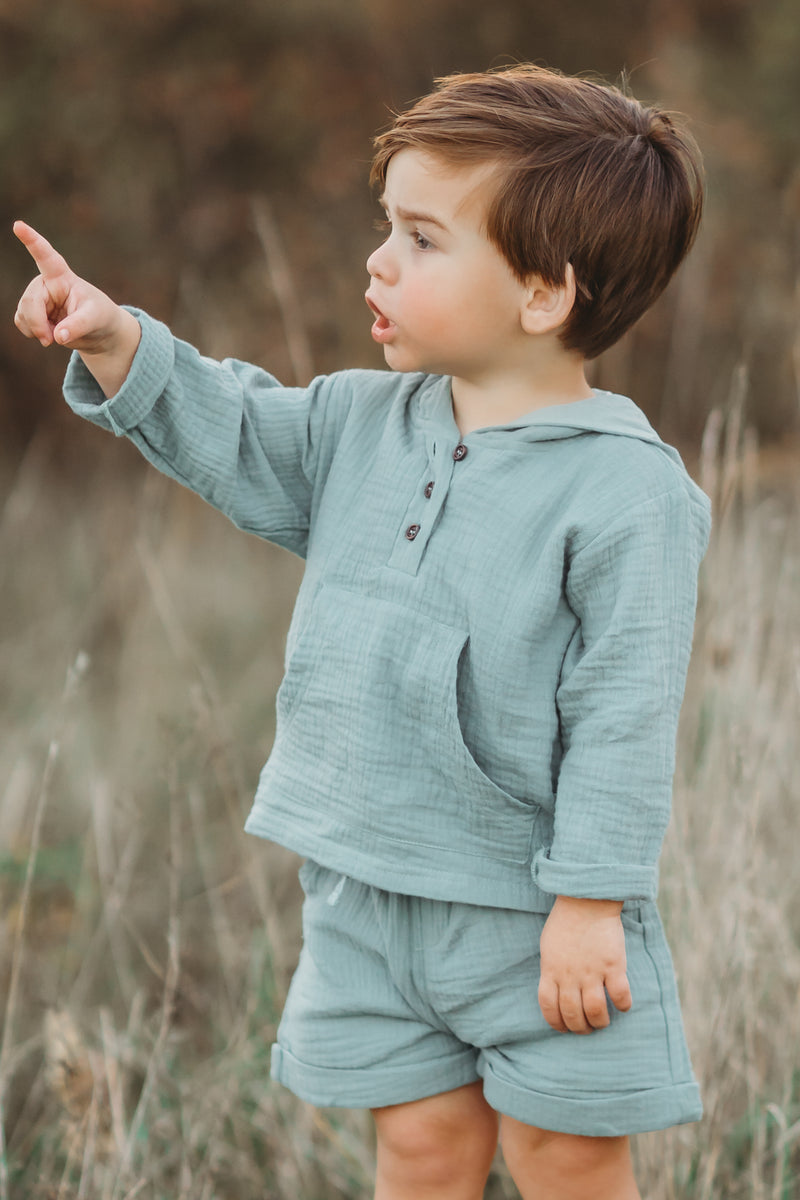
(50, 263)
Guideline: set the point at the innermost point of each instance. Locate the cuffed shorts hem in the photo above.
(612, 1115)
(356, 1087)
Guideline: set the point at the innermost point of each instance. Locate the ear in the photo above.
(546, 307)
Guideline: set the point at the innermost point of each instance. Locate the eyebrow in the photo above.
(412, 218)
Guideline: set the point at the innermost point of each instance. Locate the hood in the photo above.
(604, 412)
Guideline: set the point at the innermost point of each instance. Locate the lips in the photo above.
(383, 328)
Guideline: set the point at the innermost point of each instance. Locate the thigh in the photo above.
(547, 1165)
(449, 1119)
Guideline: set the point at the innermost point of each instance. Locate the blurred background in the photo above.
(208, 162)
(136, 136)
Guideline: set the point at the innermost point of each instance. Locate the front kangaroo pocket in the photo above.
(369, 730)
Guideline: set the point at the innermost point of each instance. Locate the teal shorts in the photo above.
(397, 997)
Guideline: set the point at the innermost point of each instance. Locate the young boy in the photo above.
(476, 729)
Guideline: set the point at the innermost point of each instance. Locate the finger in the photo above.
(51, 264)
(570, 1004)
(32, 317)
(548, 1002)
(619, 991)
(595, 1007)
(25, 328)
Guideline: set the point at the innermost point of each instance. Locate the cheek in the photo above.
(441, 295)
(429, 308)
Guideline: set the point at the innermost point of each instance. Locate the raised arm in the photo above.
(256, 450)
(59, 307)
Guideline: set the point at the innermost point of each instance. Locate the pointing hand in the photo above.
(59, 307)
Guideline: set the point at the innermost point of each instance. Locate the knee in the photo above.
(563, 1157)
(433, 1144)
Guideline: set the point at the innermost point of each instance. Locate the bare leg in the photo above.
(440, 1148)
(564, 1166)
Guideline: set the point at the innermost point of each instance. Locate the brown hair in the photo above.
(587, 175)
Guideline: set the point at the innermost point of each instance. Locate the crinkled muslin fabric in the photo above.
(401, 997)
(484, 672)
(488, 651)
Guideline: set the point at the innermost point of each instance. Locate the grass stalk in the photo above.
(74, 675)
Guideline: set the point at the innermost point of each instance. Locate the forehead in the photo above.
(453, 194)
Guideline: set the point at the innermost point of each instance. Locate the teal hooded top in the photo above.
(488, 652)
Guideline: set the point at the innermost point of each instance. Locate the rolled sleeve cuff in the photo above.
(150, 370)
(595, 881)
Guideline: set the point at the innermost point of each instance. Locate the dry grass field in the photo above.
(146, 943)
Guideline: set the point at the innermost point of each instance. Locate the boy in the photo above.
(476, 729)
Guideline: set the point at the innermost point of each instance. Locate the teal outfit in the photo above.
(398, 997)
(489, 647)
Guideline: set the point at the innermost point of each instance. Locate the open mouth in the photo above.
(382, 328)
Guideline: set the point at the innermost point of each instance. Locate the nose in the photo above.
(380, 264)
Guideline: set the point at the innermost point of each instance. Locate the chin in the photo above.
(396, 360)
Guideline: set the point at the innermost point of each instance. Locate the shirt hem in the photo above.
(432, 872)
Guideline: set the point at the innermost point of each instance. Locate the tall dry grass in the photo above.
(146, 943)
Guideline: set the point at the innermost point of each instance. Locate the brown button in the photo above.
(460, 452)
(428, 490)
(412, 532)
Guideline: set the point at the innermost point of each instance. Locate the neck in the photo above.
(504, 397)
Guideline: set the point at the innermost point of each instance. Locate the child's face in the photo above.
(445, 299)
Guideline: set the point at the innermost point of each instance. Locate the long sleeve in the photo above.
(228, 430)
(633, 589)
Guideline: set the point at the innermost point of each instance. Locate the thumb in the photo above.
(83, 321)
(88, 319)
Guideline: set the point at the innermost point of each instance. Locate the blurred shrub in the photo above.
(135, 134)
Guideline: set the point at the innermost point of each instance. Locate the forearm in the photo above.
(227, 430)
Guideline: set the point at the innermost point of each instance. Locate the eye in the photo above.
(420, 241)
(382, 225)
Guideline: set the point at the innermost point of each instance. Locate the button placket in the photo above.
(424, 507)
